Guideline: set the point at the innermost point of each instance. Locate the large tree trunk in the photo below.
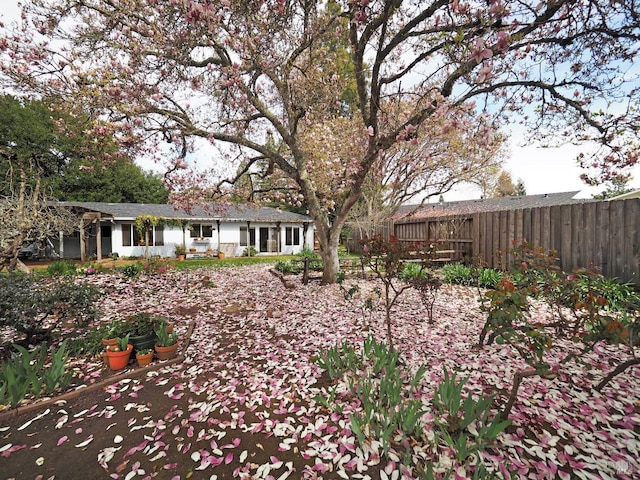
(329, 254)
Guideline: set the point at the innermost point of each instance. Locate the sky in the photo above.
(543, 170)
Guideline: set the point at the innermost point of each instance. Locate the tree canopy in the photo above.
(261, 82)
(70, 166)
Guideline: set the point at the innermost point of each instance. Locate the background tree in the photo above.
(119, 181)
(26, 215)
(75, 166)
(617, 185)
(504, 186)
(249, 75)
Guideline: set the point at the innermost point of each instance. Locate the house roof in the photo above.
(467, 207)
(228, 213)
(626, 196)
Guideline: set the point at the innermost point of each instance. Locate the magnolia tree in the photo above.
(443, 154)
(263, 82)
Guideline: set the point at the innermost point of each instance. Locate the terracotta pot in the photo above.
(105, 359)
(119, 360)
(167, 353)
(109, 342)
(145, 359)
(221, 255)
(181, 257)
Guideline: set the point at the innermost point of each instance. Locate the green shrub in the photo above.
(619, 297)
(489, 278)
(289, 268)
(89, 343)
(249, 252)
(457, 273)
(307, 253)
(35, 306)
(132, 271)
(412, 271)
(61, 267)
(385, 391)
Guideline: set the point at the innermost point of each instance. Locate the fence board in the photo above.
(577, 233)
(632, 242)
(589, 210)
(602, 243)
(545, 225)
(616, 218)
(565, 238)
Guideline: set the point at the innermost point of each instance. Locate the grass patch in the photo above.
(228, 262)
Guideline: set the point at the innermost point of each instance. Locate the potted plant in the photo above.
(181, 251)
(141, 330)
(167, 344)
(144, 357)
(119, 354)
(115, 329)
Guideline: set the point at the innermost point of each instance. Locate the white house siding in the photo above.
(275, 231)
(229, 236)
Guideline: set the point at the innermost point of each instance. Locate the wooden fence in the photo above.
(603, 234)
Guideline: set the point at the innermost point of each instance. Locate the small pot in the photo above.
(167, 353)
(221, 255)
(145, 359)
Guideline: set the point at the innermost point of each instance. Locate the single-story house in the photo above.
(137, 229)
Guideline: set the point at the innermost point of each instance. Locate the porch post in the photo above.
(305, 229)
(61, 243)
(83, 253)
(248, 238)
(278, 238)
(218, 226)
(98, 239)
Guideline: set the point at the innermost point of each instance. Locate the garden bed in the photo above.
(244, 403)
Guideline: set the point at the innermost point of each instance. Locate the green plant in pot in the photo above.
(119, 354)
(144, 357)
(141, 328)
(110, 333)
(181, 251)
(167, 343)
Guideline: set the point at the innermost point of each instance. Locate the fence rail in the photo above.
(603, 234)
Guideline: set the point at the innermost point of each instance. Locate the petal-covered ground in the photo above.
(243, 403)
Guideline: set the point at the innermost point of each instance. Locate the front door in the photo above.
(264, 239)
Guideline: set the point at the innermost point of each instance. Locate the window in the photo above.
(158, 236)
(131, 236)
(292, 236)
(243, 236)
(203, 230)
(126, 234)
